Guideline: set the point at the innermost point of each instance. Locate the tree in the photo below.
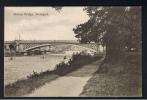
(114, 27)
(82, 32)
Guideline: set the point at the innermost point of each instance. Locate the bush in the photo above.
(74, 63)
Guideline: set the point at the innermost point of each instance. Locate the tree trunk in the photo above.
(114, 55)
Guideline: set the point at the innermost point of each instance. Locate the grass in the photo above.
(121, 80)
(25, 86)
(36, 80)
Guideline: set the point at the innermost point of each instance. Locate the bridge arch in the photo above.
(81, 48)
(38, 46)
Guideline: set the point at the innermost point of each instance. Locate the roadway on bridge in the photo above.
(70, 85)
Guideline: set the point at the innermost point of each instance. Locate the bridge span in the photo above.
(52, 45)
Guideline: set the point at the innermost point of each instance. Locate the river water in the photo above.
(21, 67)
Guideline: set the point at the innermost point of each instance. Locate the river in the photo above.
(21, 67)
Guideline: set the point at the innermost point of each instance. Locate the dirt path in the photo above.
(70, 85)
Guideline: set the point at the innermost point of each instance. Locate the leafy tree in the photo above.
(115, 27)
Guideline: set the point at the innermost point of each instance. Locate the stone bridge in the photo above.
(52, 45)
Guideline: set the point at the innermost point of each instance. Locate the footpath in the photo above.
(69, 85)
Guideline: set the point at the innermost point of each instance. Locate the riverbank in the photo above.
(70, 85)
(121, 80)
(36, 80)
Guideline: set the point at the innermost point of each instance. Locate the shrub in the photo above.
(74, 63)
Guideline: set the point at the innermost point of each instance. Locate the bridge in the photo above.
(51, 45)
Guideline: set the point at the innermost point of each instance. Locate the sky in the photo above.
(42, 23)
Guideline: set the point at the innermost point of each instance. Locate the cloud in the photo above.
(53, 26)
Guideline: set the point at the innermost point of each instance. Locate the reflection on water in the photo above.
(20, 67)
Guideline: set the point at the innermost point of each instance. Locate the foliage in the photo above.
(111, 24)
(74, 63)
(57, 8)
(115, 27)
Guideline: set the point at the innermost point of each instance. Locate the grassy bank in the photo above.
(123, 79)
(36, 80)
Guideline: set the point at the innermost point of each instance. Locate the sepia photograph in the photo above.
(73, 51)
